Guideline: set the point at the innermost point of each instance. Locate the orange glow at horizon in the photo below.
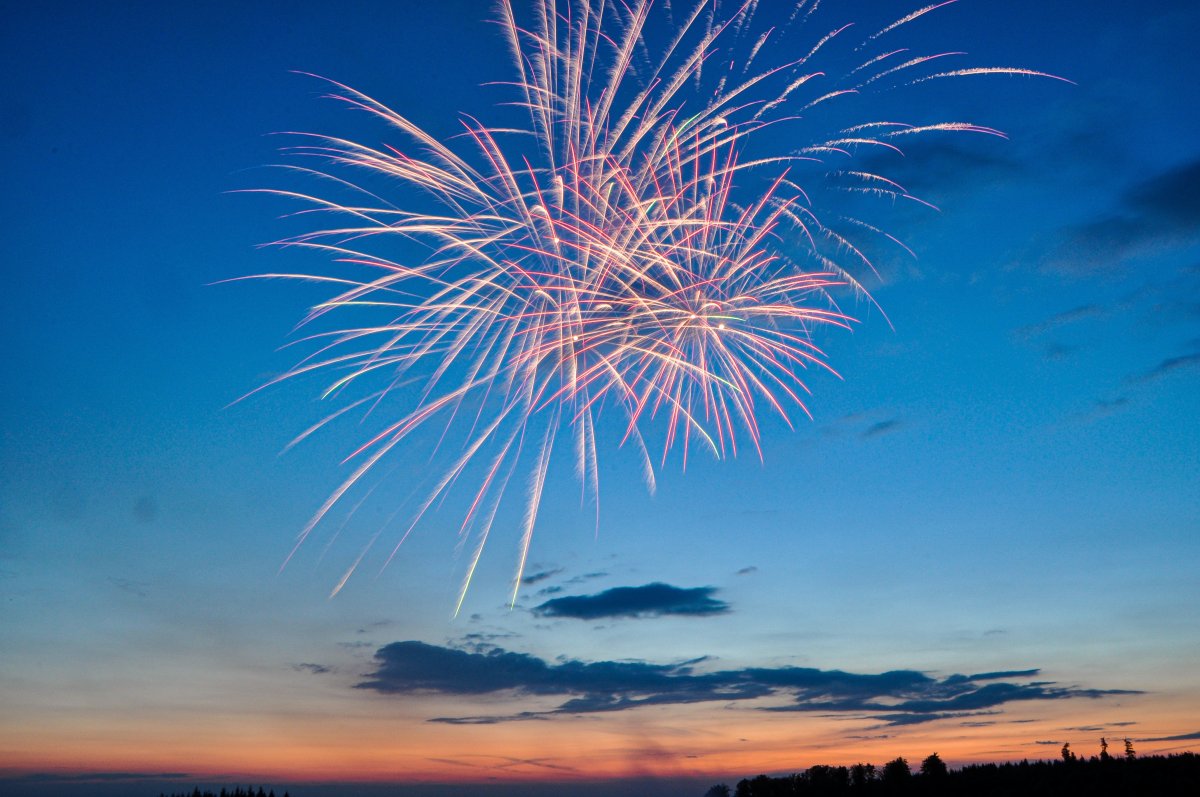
(698, 741)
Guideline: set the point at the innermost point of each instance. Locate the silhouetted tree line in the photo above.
(1104, 775)
(237, 792)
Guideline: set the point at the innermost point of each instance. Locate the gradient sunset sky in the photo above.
(986, 543)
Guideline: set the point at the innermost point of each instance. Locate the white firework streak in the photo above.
(608, 258)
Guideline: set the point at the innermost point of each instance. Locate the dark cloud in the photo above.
(542, 575)
(1160, 212)
(418, 668)
(586, 577)
(1183, 737)
(491, 719)
(883, 427)
(479, 640)
(1002, 674)
(408, 667)
(898, 697)
(315, 669)
(1171, 196)
(650, 600)
(865, 425)
(1094, 728)
(957, 695)
(1167, 366)
(745, 571)
(899, 720)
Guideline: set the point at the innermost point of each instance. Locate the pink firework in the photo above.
(628, 254)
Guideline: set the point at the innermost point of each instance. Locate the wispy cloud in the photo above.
(541, 575)
(865, 425)
(586, 577)
(1158, 213)
(1058, 320)
(1101, 727)
(479, 640)
(1183, 737)
(897, 698)
(649, 600)
(1167, 366)
(883, 427)
(993, 676)
(1109, 406)
(315, 669)
(354, 645)
(138, 589)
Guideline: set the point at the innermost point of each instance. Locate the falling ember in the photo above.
(641, 263)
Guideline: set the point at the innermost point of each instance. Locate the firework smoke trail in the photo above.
(603, 258)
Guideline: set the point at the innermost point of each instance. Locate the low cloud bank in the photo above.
(897, 697)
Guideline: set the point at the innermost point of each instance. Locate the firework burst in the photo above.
(635, 251)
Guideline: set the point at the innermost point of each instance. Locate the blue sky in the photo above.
(1004, 479)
